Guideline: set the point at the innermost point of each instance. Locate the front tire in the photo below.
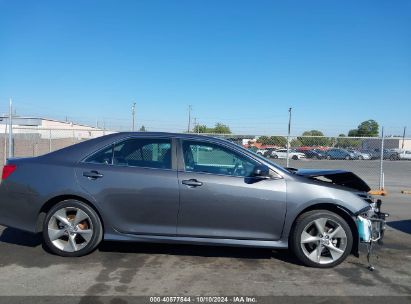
(72, 229)
(321, 239)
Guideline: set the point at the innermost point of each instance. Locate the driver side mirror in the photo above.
(261, 172)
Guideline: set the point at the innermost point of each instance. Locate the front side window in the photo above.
(210, 158)
(141, 152)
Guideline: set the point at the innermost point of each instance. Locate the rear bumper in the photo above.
(17, 209)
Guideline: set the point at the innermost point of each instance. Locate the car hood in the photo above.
(338, 177)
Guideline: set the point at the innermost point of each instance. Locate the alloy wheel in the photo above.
(70, 229)
(323, 241)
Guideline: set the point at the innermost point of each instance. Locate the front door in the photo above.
(218, 199)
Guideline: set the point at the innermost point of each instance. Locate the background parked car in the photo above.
(282, 153)
(261, 151)
(268, 152)
(387, 154)
(360, 155)
(405, 155)
(339, 154)
(314, 154)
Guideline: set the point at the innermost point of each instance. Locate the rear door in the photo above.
(134, 182)
(218, 199)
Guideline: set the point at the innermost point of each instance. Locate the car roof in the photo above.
(82, 149)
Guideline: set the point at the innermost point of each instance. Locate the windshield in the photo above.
(260, 157)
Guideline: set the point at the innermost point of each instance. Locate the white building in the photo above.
(49, 128)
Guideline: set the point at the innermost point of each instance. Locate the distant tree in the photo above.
(280, 141)
(313, 133)
(142, 129)
(353, 133)
(265, 140)
(314, 141)
(368, 128)
(200, 129)
(220, 128)
(343, 142)
(272, 140)
(296, 143)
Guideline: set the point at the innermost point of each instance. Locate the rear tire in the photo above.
(313, 242)
(72, 229)
(295, 157)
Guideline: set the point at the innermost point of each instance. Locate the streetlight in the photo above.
(133, 113)
(288, 136)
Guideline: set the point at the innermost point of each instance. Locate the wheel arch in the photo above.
(57, 199)
(341, 211)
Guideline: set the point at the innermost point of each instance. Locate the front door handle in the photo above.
(192, 183)
(92, 174)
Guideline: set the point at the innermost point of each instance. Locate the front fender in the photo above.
(306, 195)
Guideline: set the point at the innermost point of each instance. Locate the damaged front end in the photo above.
(371, 226)
(370, 221)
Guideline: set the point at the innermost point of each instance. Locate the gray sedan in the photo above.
(183, 188)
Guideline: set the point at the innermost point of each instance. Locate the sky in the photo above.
(241, 63)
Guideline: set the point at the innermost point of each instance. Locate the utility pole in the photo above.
(403, 138)
(11, 129)
(382, 160)
(195, 125)
(133, 113)
(288, 136)
(190, 107)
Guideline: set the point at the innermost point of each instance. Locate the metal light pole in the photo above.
(382, 160)
(288, 136)
(190, 107)
(11, 129)
(133, 113)
(403, 138)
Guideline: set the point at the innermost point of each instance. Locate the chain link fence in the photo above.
(29, 142)
(366, 157)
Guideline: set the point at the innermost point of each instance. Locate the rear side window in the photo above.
(141, 152)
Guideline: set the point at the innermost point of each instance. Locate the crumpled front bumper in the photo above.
(371, 223)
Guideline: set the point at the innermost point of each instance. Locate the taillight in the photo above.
(7, 170)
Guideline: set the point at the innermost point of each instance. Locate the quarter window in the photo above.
(215, 159)
(104, 156)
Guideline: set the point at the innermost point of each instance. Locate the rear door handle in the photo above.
(192, 183)
(92, 174)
